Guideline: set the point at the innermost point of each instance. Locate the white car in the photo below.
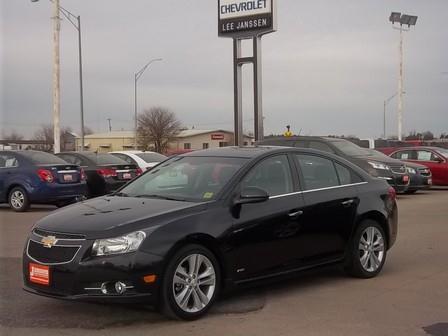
(144, 160)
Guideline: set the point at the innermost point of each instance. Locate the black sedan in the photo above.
(206, 221)
(373, 162)
(105, 172)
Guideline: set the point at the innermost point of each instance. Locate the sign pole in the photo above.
(238, 93)
(258, 102)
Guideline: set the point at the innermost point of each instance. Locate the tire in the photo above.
(366, 255)
(18, 199)
(182, 296)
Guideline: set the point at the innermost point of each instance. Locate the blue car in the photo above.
(28, 177)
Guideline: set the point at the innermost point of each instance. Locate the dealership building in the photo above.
(191, 139)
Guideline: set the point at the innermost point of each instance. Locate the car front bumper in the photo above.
(87, 278)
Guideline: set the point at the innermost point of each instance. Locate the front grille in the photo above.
(58, 235)
(398, 169)
(53, 255)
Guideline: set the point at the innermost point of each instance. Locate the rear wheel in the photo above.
(18, 199)
(368, 250)
(191, 283)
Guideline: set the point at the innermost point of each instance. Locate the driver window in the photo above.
(272, 175)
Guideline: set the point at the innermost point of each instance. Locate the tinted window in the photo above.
(124, 157)
(104, 159)
(152, 157)
(346, 175)
(8, 161)
(71, 159)
(272, 175)
(187, 178)
(320, 146)
(317, 172)
(42, 158)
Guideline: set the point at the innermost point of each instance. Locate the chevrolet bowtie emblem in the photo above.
(49, 241)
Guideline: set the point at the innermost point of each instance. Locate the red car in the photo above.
(435, 158)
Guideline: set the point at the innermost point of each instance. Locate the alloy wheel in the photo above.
(17, 199)
(371, 249)
(194, 283)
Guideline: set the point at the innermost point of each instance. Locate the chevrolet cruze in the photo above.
(203, 222)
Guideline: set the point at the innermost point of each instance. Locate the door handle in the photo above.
(295, 213)
(347, 203)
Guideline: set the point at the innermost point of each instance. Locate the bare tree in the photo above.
(46, 136)
(13, 136)
(157, 127)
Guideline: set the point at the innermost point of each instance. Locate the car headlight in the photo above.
(124, 244)
(378, 165)
(411, 170)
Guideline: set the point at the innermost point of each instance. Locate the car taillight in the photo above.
(45, 175)
(138, 171)
(83, 175)
(392, 194)
(107, 172)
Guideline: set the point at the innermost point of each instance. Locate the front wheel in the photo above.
(367, 251)
(191, 283)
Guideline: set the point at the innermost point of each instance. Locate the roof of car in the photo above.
(301, 137)
(417, 147)
(234, 151)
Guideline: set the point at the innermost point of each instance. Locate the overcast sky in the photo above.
(327, 70)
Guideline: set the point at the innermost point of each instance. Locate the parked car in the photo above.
(435, 158)
(420, 177)
(393, 171)
(144, 160)
(210, 220)
(105, 173)
(33, 177)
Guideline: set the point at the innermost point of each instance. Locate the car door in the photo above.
(330, 198)
(263, 234)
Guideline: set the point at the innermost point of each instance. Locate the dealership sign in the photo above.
(246, 18)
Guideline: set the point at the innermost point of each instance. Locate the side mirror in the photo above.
(252, 195)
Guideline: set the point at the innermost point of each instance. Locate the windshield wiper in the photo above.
(120, 194)
(169, 198)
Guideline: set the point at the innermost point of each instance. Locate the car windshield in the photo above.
(350, 148)
(104, 159)
(151, 157)
(443, 151)
(42, 158)
(185, 179)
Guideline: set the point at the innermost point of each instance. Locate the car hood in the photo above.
(378, 158)
(110, 216)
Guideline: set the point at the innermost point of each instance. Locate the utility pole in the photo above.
(110, 126)
(56, 78)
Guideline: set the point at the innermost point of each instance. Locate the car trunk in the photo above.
(63, 174)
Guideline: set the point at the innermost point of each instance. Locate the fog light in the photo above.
(104, 288)
(120, 287)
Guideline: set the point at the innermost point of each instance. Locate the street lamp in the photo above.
(409, 20)
(75, 20)
(384, 112)
(137, 75)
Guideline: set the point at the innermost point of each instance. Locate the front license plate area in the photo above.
(39, 274)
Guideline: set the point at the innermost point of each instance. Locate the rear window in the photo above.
(151, 157)
(43, 158)
(104, 159)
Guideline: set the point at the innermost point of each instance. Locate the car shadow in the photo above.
(33, 208)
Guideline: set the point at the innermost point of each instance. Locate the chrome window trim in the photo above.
(320, 189)
(51, 264)
(67, 171)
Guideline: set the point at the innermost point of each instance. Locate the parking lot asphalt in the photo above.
(410, 297)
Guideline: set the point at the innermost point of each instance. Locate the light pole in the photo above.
(409, 20)
(76, 22)
(384, 113)
(137, 75)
